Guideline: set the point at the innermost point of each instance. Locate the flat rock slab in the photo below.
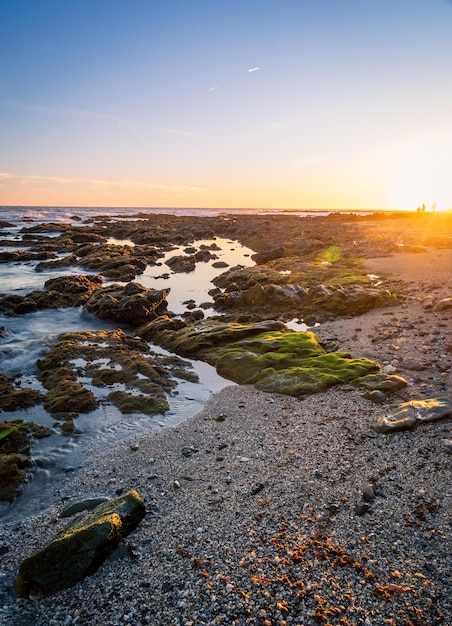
(81, 548)
(409, 414)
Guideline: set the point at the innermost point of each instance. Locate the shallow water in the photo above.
(28, 337)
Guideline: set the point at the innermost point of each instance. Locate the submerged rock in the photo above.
(81, 548)
(410, 414)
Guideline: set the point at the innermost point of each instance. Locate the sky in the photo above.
(315, 104)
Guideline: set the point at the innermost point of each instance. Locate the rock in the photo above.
(410, 414)
(16, 439)
(362, 509)
(320, 299)
(368, 493)
(13, 398)
(376, 396)
(266, 354)
(60, 292)
(13, 471)
(428, 302)
(81, 548)
(187, 451)
(268, 255)
(87, 504)
(381, 382)
(132, 304)
(182, 263)
(444, 305)
(70, 397)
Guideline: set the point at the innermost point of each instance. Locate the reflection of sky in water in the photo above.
(195, 285)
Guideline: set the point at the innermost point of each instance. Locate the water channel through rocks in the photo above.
(28, 337)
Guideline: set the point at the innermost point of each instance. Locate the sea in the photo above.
(26, 338)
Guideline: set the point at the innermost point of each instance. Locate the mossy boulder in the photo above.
(266, 354)
(81, 548)
(346, 299)
(204, 339)
(291, 363)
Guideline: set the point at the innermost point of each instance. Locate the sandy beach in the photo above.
(258, 507)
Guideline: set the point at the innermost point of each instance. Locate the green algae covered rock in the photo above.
(81, 548)
(266, 354)
(291, 363)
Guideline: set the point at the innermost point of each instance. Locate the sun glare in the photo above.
(422, 178)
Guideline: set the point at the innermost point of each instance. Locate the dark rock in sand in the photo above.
(87, 504)
(376, 396)
(80, 549)
(410, 414)
(133, 304)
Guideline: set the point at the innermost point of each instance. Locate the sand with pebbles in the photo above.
(263, 523)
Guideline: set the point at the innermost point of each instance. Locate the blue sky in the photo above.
(340, 104)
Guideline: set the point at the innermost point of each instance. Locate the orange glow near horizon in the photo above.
(291, 105)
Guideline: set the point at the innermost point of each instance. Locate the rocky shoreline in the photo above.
(269, 509)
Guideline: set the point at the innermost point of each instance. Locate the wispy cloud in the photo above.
(123, 183)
